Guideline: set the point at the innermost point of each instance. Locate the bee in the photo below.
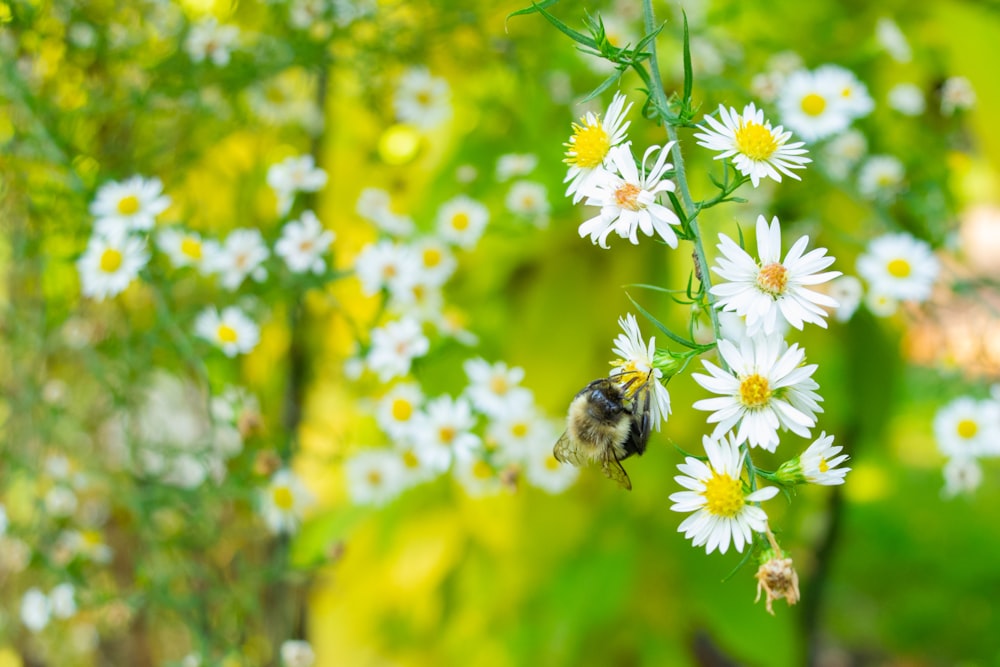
(606, 424)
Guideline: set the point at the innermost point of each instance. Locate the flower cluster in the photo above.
(967, 430)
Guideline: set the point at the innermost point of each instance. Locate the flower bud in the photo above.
(777, 578)
(669, 362)
(790, 472)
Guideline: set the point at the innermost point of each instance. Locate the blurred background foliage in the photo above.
(891, 572)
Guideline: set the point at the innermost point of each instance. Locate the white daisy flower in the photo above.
(510, 165)
(881, 304)
(185, 248)
(35, 609)
(110, 263)
(297, 653)
(293, 175)
(375, 205)
(60, 501)
(130, 205)
(385, 263)
(397, 411)
(518, 429)
(635, 363)
(766, 85)
(757, 150)
(417, 467)
(722, 506)
(231, 330)
(445, 432)
(242, 255)
(852, 95)
(542, 470)
(477, 476)
(892, 39)
(284, 501)
(210, 41)
(437, 261)
(592, 138)
(880, 177)
(88, 544)
(422, 99)
(303, 243)
(820, 460)
(907, 99)
(416, 296)
(957, 95)
(395, 346)
(962, 475)
(899, 266)
(843, 152)
(62, 601)
(847, 291)
(767, 388)
(764, 290)
(461, 221)
(628, 198)
(374, 476)
(494, 388)
(967, 427)
(529, 199)
(810, 105)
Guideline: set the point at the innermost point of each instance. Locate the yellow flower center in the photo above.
(755, 141)
(402, 409)
(498, 385)
(374, 477)
(551, 463)
(447, 434)
(773, 279)
(226, 334)
(588, 146)
(898, 268)
(460, 221)
(410, 459)
(754, 391)
(627, 196)
(846, 92)
(111, 260)
(519, 430)
(128, 205)
(191, 247)
(823, 465)
(482, 470)
(813, 104)
(723, 496)
(91, 538)
(283, 498)
(967, 428)
(432, 257)
(306, 246)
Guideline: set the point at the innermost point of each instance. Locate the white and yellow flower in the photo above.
(292, 175)
(634, 365)
(110, 263)
(241, 255)
(374, 476)
(421, 99)
(445, 432)
(817, 465)
(590, 143)
(208, 40)
(810, 105)
(130, 205)
(396, 413)
(968, 427)
(303, 243)
(723, 506)
(494, 388)
(395, 346)
(461, 221)
(186, 248)
(757, 150)
(880, 177)
(899, 266)
(284, 501)
(231, 330)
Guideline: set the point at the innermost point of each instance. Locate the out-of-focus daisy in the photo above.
(880, 177)
(767, 388)
(382, 264)
(907, 99)
(60, 501)
(241, 255)
(967, 427)
(758, 150)
(303, 243)
(417, 467)
(208, 40)
(284, 501)
(847, 291)
(881, 304)
(634, 365)
(962, 475)
(293, 175)
(110, 263)
(287, 99)
(436, 260)
(62, 600)
(231, 330)
(515, 164)
(397, 411)
(477, 476)
(461, 221)
(417, 297)
(722, 505)
(374, 204)
(530, 199)
(893, 40)
(297, 653)
(542, 470)
(374, 476)
(445, 432)
(395, 346)
(184, 248)
(35, 610)
(88, 544)
(588, 147)
(628, 198)
(817, 465)
(422, 99)
(493, 388)
(852, 95)
(957, 94)
(899, 266)
(762, 291)
(810, 105)
(517, 429)
(130, 205)
(843, 152)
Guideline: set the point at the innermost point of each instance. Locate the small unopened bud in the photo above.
(790, 473)
(668, 362)
(777, 578)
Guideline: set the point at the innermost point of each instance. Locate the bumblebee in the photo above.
(608, 422)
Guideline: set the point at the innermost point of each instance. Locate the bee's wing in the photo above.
(614, 470)
(642, 424)
(566, 451)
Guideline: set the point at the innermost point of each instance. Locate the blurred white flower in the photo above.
(843, 152)
(374, 204)
(374, 476)
(231, 330)
(893, 40)
(510, 165)
(60, 501)
(907, 99)
(461, 221)
(542, 470)
(967, 427)
(962, 475)
(957, 95)
(35, 610)
(445, 432)
(899, 266)
(297, 653)
(397, 411)
(131, 205)
(284, 501)
(530, 199)
(881, 304)
(208, 40)
(436, 259)
(242, 255)
(395, 346)
(493, 388)
(810, 104)
(303, 243)
(384, 264)
(880, 177)
(110, 263)
(62, 601)
(186, 248)
(847, 291)
(293, 175)
(477, 476)
(422, 99)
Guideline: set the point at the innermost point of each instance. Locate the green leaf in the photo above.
(560, 26)
(688, 74)
(659, 325)
(739, 566)
(535, 7)
(607, 83)
(655, 288)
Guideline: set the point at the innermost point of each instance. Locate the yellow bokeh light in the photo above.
(399, 144)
